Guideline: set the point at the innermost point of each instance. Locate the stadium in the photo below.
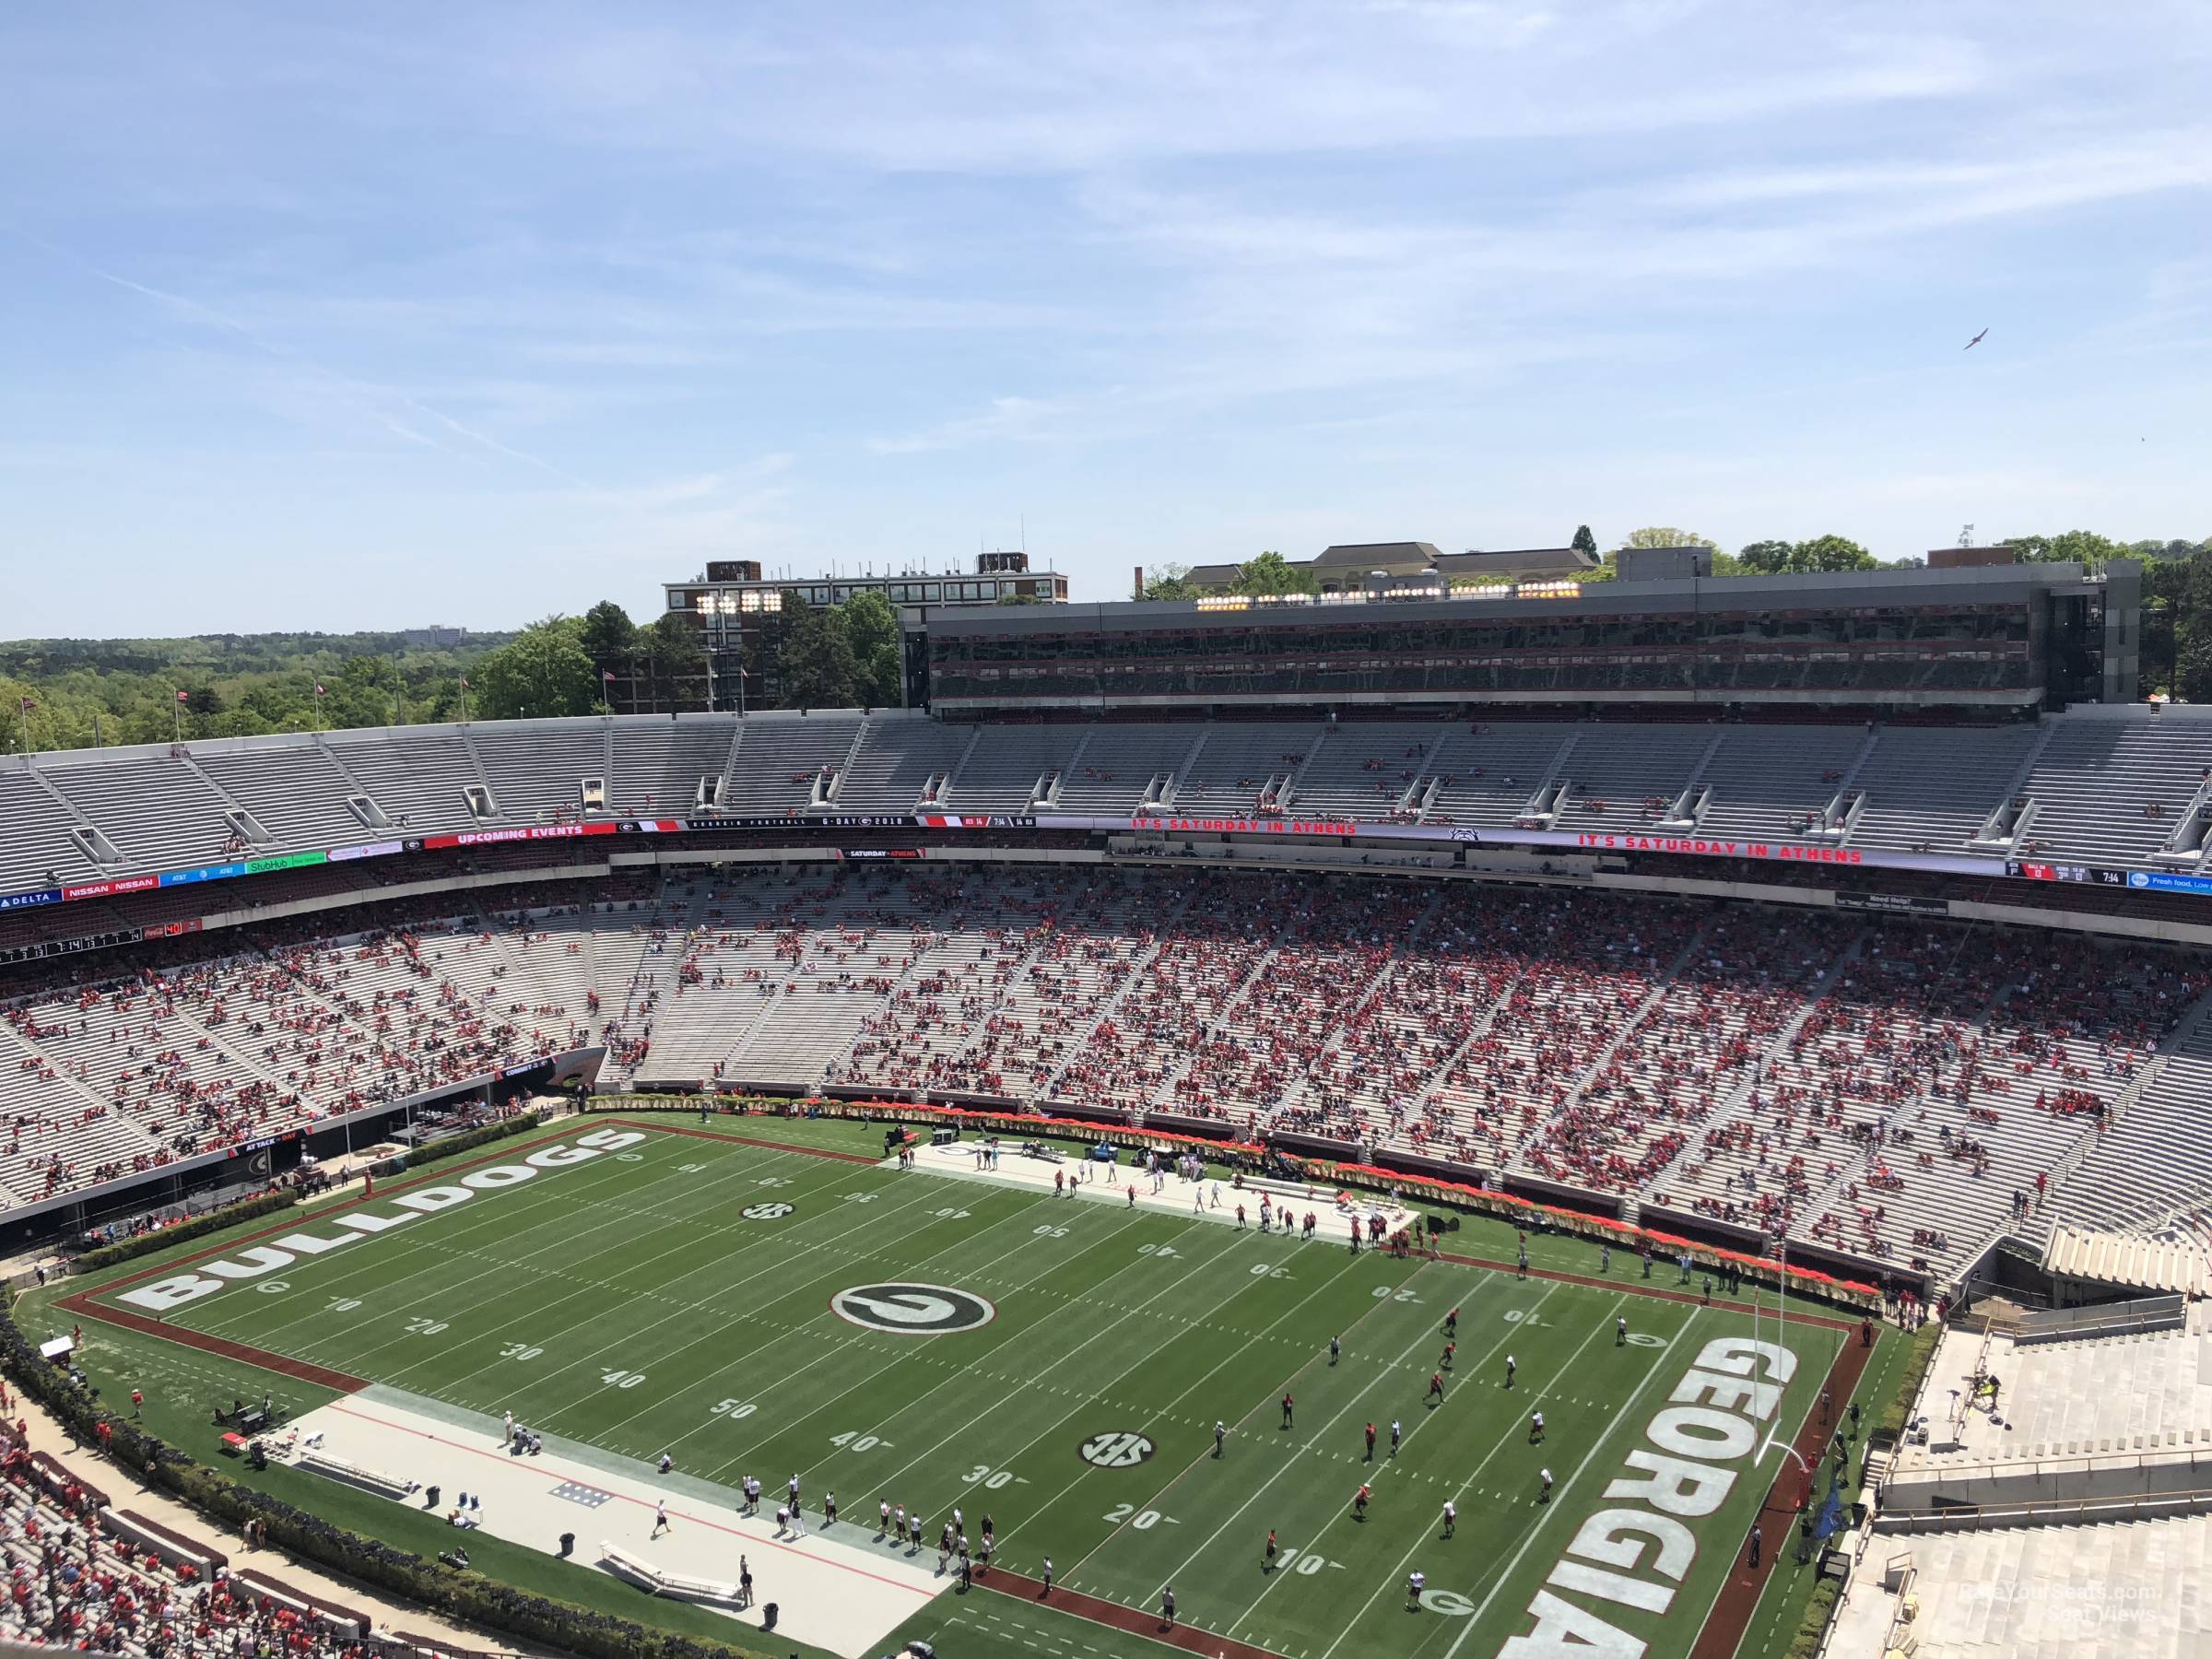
(1670, 1112)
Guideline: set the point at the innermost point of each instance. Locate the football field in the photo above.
(762, 1297)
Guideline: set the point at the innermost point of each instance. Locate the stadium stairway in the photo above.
(2150, 1172)
(1703, 1170)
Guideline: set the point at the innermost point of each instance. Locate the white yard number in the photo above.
(621, 1379)
(1515, 1316)
(426, 1327)
(1645, 1339)
(734, 1410)
(1384, 1293)
(517, 1350)
(859, 1197)
(1261, 1270)
(950, 1215)
(851, 1440)
(1139, 1520)
(344, 1304)
(690, 1169)
(984, 1475)
(1049, 1232)
(773, 1181)
(1155, 1250)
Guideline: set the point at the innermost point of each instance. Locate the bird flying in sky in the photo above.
(1975, 341)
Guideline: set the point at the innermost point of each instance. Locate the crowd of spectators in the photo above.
(73, 1583)
(1845, 1077)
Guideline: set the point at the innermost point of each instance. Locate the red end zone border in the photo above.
(1726, 1623)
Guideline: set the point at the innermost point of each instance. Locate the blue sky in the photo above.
(320, 317)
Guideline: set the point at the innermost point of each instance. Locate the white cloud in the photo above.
(1008, 418)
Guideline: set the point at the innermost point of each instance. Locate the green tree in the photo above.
(1583, 541)
(1799, 558)
(609, 638)
(1833, 553)
(1664, 535)
(1271, 573)
(2085, 546)
(1172, 581)
(543, 671)
(674, 664)
(814, 665)
(872, 630)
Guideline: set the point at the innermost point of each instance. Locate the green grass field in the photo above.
(676, 1295)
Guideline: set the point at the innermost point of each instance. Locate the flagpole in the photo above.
(178, 709)
(23, 713)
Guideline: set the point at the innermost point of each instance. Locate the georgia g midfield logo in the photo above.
(908, 1310)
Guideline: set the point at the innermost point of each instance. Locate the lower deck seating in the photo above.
(1895, 1089)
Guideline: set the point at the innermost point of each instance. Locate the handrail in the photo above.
(2046, 1509)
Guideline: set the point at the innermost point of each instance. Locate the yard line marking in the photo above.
(1008, 1461)
(689, 1309)
(1154, 1501)
(726, 1258)
(1174, 1284)
(1291, 1462)
(547, 1199)
(1474, 1622)
(894, 1357)
(1424, 1420)
(817, 1318)
(1467, 1487)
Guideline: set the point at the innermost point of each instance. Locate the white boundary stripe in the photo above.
(1628, 1407)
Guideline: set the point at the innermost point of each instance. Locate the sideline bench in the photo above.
(356, 1474)
(658, 1582)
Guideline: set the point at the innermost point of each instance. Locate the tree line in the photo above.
(71, 694)
(66, 694)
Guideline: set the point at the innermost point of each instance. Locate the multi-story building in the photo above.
(1977, 639)
(732, 602)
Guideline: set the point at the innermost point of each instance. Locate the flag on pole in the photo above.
(608, 675)
(28, 704)
(318, 688)
(464, 682)
(183, 697)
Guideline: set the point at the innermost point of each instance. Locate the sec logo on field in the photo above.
(1118, 1450)
(909, 1310)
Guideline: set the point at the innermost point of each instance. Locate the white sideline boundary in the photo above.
(831, 1593)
